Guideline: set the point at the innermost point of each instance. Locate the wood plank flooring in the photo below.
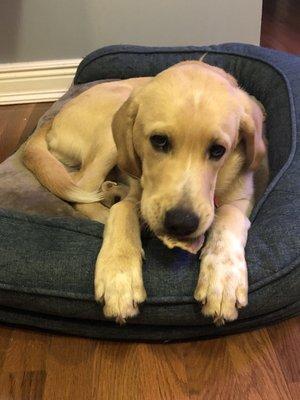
(280, 27)
(16, 124)
(259, 365)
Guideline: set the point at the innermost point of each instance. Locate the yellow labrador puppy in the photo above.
(186, 139)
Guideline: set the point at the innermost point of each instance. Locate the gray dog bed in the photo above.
(48, 253)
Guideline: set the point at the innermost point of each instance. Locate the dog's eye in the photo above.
(160, 142)
(216, 151)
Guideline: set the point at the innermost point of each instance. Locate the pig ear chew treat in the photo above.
(192, 246)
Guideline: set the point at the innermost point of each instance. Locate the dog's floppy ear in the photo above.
(122, 128)
(251, 131)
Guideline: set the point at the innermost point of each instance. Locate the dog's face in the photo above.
(176, 133)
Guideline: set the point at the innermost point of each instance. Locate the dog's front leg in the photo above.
(223, 281)
(118, 274)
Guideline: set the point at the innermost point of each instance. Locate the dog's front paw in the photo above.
(223, 282)
(119, 285)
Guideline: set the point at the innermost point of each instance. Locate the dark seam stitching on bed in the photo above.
(133, 325)
(172, 300)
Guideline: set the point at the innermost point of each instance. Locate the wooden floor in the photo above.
(280, 27)
(260, 365)
(16, 124)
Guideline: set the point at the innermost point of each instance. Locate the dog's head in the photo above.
(175, 134)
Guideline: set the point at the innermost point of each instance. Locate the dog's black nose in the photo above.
(181, 222)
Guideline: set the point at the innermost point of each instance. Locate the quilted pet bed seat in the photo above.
(47, 262)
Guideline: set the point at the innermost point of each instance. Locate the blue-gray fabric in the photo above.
(47, 264)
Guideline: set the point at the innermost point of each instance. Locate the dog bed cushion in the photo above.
(47, 261)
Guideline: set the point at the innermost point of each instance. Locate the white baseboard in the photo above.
(37, 81)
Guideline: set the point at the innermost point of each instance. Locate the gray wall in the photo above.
(61, 29)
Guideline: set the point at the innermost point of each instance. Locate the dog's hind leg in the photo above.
(90, 178)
